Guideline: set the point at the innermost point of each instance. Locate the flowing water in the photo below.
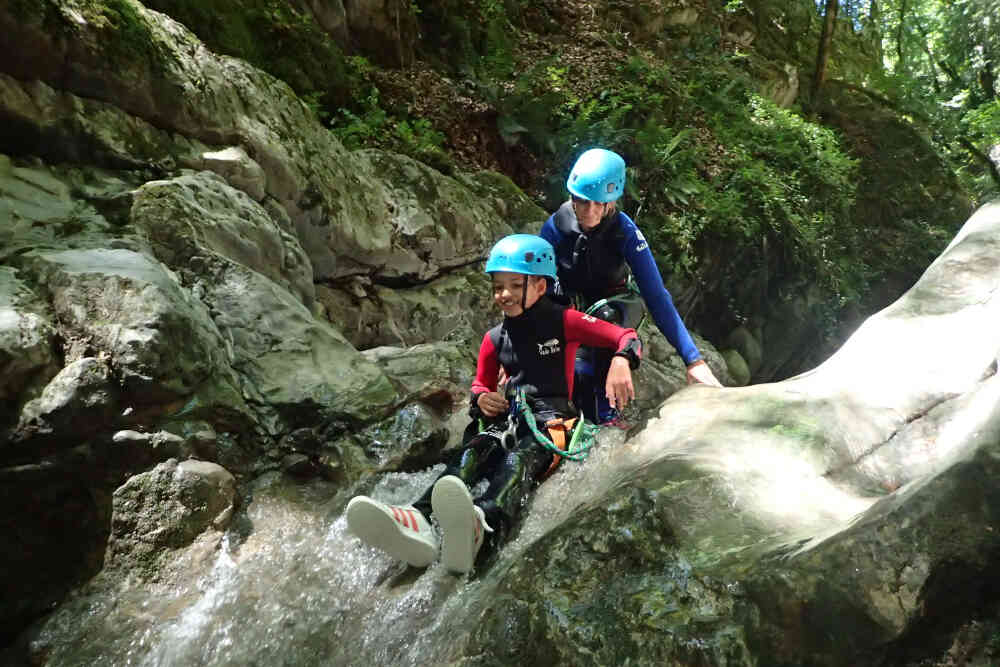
(288, 585)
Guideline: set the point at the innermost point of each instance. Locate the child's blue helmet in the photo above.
(523, 253)
(598, 175)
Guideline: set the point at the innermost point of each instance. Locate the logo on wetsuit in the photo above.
(550, 346)
(642, 241)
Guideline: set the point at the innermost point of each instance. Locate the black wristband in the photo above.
(474, 410)
(631, 351)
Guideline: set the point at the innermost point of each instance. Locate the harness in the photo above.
(580, 433)
(629, 295)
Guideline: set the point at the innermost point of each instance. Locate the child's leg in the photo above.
(510, 483)
(481, 454)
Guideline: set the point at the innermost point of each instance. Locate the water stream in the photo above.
(288, 585)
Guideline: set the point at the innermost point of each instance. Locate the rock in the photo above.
(781, 86)
(789, 334)
(229, 224)
(382, 28)
(455, 307)
(738, 368)
(348, 217)
(43, 213)
(162, 343)
(26, 340)
(236, 167)
(412, 439)
(287, 359)
(81, 399)
(748, 347)
(166, 508)
(150, 447)
(298, 465)
(431, 222)
(439, 374)
(332, 17)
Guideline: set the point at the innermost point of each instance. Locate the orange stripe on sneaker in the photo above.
(413, 519)
(399, 516)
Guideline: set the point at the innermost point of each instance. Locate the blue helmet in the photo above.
(523, 253)
(598, 175)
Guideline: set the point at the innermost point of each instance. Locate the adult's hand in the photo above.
(700, 373)
(492, 403)
(619, 386)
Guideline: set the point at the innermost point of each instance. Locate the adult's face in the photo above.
(588, 213)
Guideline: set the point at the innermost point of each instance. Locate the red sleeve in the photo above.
(592, 332)
(487, 368)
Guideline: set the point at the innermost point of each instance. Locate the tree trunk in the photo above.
(990, 166)
(900, 52)
(825, 40)
(930, 59)
(987, 80)
(875, 25)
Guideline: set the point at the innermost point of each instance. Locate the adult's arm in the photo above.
(658, 300)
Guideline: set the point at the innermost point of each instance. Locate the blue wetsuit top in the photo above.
(592, 265)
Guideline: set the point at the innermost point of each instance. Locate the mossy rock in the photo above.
(274, 36)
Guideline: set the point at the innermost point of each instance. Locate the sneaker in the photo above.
(615, 420)
(618, 422)
(463, 525)
(401, 531)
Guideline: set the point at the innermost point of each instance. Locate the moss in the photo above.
(124, 35)
(272, 36)
(30, 10)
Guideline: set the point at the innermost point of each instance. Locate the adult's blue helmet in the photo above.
(598, 175)
(523, 253)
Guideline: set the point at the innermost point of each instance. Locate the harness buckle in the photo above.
(509, 437)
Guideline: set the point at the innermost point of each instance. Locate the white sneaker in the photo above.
(400, 531)
(463, 525)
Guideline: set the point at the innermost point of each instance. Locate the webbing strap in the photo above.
(557, 429)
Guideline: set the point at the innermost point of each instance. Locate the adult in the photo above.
(596, 246)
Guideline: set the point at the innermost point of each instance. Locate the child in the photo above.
(535, 345)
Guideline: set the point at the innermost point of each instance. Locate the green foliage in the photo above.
(366, 124)
(790, 182)
(476, 37)
(711, 165)
(982, 126)
(945, 56)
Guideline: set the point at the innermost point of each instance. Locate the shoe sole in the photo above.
(376, 527)
(453, 508)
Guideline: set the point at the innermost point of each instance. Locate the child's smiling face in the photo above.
(511, 289)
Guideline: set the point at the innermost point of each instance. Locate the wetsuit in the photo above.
(536, 350)
(594, 265)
